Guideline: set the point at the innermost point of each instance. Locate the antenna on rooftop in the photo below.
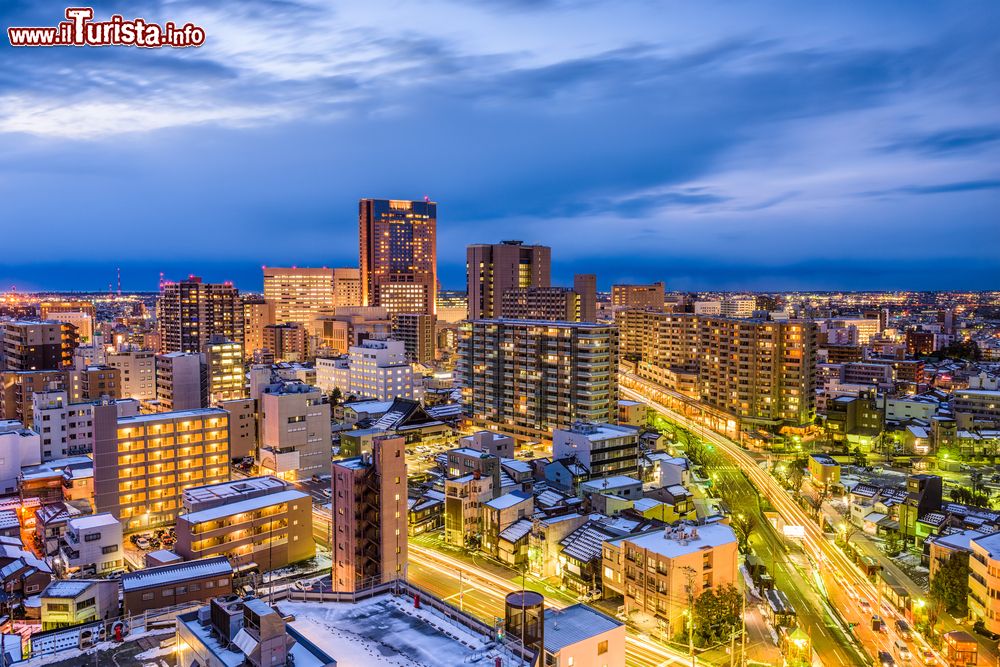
(119, 269)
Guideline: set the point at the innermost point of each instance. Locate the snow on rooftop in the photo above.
(508, 500)
(388, 631)
(157, 576)
(249, 505)
(93, 521)
(574, 624)
(711, 535)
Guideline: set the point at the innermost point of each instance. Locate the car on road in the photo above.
(885, 660)
(866, 606)
(903, 628)
(902, 650)
(982, 631)
(927, 657)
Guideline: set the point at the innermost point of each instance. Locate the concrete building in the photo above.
(75, 601)
(527, 377)
(541, 303)
(349, 326)
(92, 545)
(585, 286)
(490, 442)
(739, 308)
(142, 464)
(176, 583)
(19, 447)
(605, 449)
(295, 434)
(190, 312)
(224, 375)
(824, 471)
(91, 383)
(257, 314)
(286, 342)
(463, 506)
(369, 517)
(259, 520)
(298, 294)
(494, 269)
(976, 405)
(398, 255)
(654, 571)
(581, 636)
(180, 381)
(346, 287)
(138, 373)
(67, 429)
(375, 369)
(18, 388)
(35, 345)
(638, 296)
(416, 332)
(242, 427)
(984, 581)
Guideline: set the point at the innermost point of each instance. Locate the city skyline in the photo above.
(778, 147)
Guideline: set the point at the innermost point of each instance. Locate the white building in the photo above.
(19, 447)
(295, 431)
(911, 407)
(741, 308)
(581, 636)
(67, 429)
(605, 449)
(375, 369)
(138, 373)
(93, 545)
(708, 308)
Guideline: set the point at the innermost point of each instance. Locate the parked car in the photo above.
(142, 543)
(982, 631)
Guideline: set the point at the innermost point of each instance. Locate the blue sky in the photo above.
(758, 145)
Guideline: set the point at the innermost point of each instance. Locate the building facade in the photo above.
(190, 312)
(398, 255)
(492, 269)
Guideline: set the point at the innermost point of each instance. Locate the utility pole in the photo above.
(743, 639)
(689, 588)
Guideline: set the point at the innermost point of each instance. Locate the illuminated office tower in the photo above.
(493, 269)
(298, 295)
(346, 287)
(257, 314)
(398, 253)
(527, 377)
(224, 370)
(190, 312)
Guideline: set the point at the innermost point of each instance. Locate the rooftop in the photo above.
(66, 588)
(179, 414)
(508, 500)
(152, 577)
(248, 505)
(574, 624)
(92, 521)
(672, 545)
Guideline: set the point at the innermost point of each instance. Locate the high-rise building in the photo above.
(189, 312)
(493, 269)
(585, 285)
(738, 307)
(416, 331)
(398, 255)
(541, 303)
(298, 294)
(528, 376)
(142, 464)
(242, 427)
(759, 371)
(375, 369)
(45, 308)
(295, 440)
(179, 381)
(138, 372)
(224, 375)
(638, 296)
(35, 345)
(286, 342)
(606, 450)
(66, 427)
(257, 314)
(346, 287)
(350, 325)
(369, 516)
(18, 389)
(93, 382)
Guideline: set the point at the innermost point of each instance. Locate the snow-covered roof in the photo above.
(248, 505)
(177, 572)
(92, 521)
(711, 536)
(575, 624)
(508, 500)
(66, 588)
(516, 530)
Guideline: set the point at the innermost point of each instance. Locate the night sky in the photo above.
(795, 145)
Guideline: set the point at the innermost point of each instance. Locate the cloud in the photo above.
(946, 142)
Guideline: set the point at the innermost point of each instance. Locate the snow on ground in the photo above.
(386, 630)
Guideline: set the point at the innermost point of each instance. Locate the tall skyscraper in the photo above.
(369, 516)
(527, 377)
(298, 295)
(398, 253)
(190, 312)
(585, 285)
(492, 269)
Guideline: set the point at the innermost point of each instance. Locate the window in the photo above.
(223, 582)
(110, 549)
(168, 592)
(92, 537)
(147, 596)
(602, 647)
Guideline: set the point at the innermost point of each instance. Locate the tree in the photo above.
(743, 524)
(336, 396)
(859, 458)
(893, 544)
(797, 473)
(950, 585)
(717, 615)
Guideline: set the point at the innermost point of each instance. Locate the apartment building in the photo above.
(19, 447)
(585, 286)
(286, 342)
(492, 269)
(638, 296)
(67, 428)
(346, 287)
(75, 601)
(176, 583)
(298, 294)
(18, 389)
(350, 325)
(224, 375)
(657, 571)
(295, 434)
(143, 464)
(257, 314)
(180, 381)
(92, 545)
(35, 345)
(541, 303)
(526, 377)
(261, 520)
(189, 312)
(242, 427)
(369, 516)
(984, 581)
(416, 332)
(606, 450)
(137, 370)
(375, 369)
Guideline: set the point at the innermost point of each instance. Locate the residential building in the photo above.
(177, 583)
(67, 428)
(582, 636)
(375, 369)
(142, 464)
(500, 514)
(349, 326)
(92, 545)
(20, 386)
(295, 434)
(541, 303)
(190, 312)
(92, 383)
(346, 287)
(298, 294)
(398, 255)
(659, 571)
(606, 449)
(242, 427)
(984, 581)
(137, 370)
(19, 447)
(527, 377)
(585, 286)
(35, 345)
(180, 381)
(257, 314)
(416, 332)
(260, 520)
(737, 307)
(369, 517)
(824, 471)
(463, 503)
(224, 370)
(286, 342)
(494, 269)
(490, 442)
(75, 601)
(638, 296)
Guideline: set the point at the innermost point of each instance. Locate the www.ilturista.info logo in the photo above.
(81, 30)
